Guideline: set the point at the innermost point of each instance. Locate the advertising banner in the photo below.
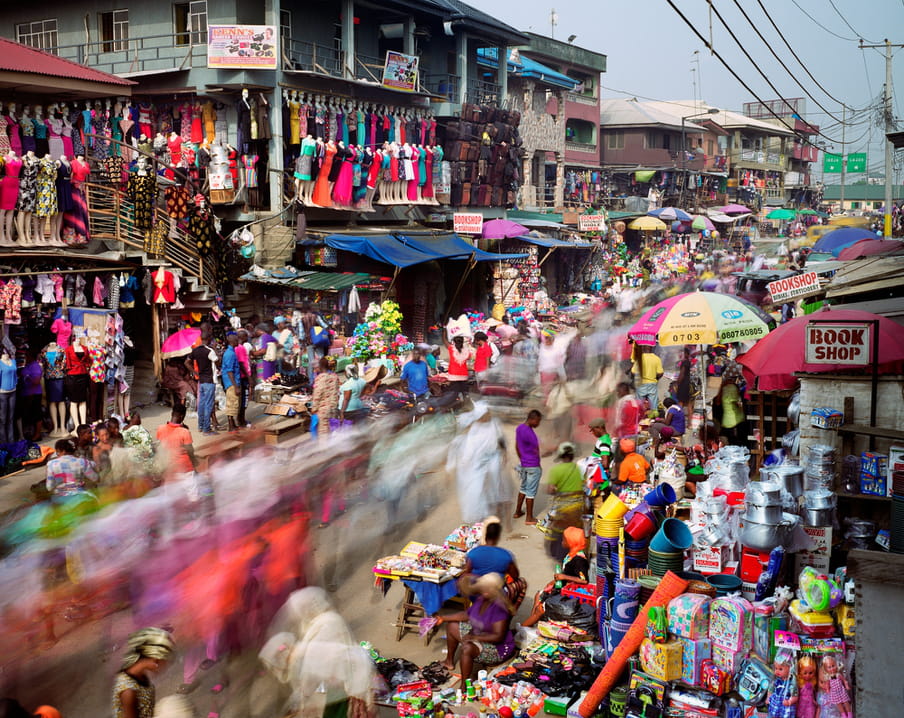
(591, 223)
(400, 71)
(789, 288)
(467, 223)
(242, 47)
(838, 343)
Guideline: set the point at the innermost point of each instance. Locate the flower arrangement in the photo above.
(380, 336)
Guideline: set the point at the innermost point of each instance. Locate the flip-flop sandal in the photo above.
(517, 515)
(530, 523)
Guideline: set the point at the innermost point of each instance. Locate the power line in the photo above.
(844, 20)
(831, 32)
(791, 49)
(775, 55)
(869, 85)
(754, 63)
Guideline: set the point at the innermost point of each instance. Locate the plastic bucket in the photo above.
(640, 526)
(724, 583)
(662, 495)
(613, 508)
(673, 536)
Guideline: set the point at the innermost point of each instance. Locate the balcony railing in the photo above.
(581, 99)
(138, 55)
(760, 157)
(443, 85)
(580, 146)
(311, 57)
(481, 92)
(368, 67)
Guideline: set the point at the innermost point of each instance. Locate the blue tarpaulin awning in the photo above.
(381, 247)
(452, 246)
(543, 241)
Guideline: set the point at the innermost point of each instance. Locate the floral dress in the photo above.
(325, 399)
(47, 193)
(28, 186)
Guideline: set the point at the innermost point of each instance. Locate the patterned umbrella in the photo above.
(701, 318)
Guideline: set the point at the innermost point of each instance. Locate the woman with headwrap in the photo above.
(566, 485)
(483, 631)
(575, 569)
(133, 693)
(312, 652)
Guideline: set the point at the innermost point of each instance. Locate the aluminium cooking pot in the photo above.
(765, 537)
(764, 493)
(763, 514)
(820, 499)
(789, 476)
(818, 517)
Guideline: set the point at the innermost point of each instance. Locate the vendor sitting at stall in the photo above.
(351, 407)
(414, 375)
(575, 569)
(671, 425)
(483, 631)
(490, 557)
(633, 467)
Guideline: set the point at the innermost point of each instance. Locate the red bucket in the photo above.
(640, 526)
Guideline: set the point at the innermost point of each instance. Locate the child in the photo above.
(783, 694)
(838, 689)
(806, 687)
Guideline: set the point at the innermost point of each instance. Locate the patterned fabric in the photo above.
(11, 302)
(178, 200)
(155, 239)
(200, 227)
(97, 371)
(146, 698)
(28, 186)
(66, 475)
(101, 128)
(325, 399)
(55, 369)
(141, 190)
(781, 691)
(47, 195)
(113, 171)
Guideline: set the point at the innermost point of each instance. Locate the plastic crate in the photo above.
(583, 593)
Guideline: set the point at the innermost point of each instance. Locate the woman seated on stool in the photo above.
(576, 569)
(483, 630)
(490, 557)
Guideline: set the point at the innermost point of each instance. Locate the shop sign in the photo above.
(242, 47)
(591, 223)
(467, 222)
(838, 343)
(400, 71)
(800, 285)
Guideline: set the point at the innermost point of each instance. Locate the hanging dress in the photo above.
(305, 159)
(101, 126)
(68, 148)
(412, 165)
(9, 185)
(342, 190)
(41, 145)
(28, 135)
(427, 175)
(363, 164)
(196, 134)
(5, 145)
(141, 191)
(15, 142)
(47, 195)
(249, 162)
(209, 117)
(75, 221)
(200, 228)
(64, 187)
(28, 186)
(186, 114)
(321, 194)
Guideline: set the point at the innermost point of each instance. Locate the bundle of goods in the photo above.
(422, 561)
(820, 472)
(465, 537)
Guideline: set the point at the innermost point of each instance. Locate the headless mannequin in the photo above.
(79, 410)
(56, 220)
(8, 425)
(124, 393)
(57, 408)
(25, 220)
(7, 215)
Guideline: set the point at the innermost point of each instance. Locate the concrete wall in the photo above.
(830, 390)
(635, 151)
(540, 130)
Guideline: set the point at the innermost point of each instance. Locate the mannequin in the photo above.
(342, 188)
(77, 364)
(47, 206)
(8, 381)
(140, 188)
(9, 193)
(15, 142)
(376, 169)
(411, 173)
(65, 201)
(53, 362)
(303, 169)
(174, 144)
(41, 145)
(124, 386)
(97, 381)
(75, 230)
(323, 187)
(294, 120)
(66, 131)
(55, 131)
(125, 127)
(28, 130)
(27, 199)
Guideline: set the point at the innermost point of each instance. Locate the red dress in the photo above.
(413, 180)
(321, 194)
(342, 191)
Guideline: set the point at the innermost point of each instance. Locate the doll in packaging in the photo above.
(783, 692)
(806, 687)
(832, 674)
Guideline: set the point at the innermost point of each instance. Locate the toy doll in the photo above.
(832, 674)
(806, 687)
(783, 692)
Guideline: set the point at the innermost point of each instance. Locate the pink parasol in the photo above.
(769, 365)
(180, 343)
(503, 229)
(870, 248)
(733, 209)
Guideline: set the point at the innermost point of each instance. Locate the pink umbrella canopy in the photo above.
(180, 343)
(503, 229)
(769, 365)
(870, 248)
(733, 209)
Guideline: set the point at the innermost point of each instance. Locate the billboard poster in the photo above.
(400, 71)
(242, 47)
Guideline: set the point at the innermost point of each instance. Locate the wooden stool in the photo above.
(276, 428)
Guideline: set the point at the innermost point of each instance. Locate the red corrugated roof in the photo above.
(22, 58)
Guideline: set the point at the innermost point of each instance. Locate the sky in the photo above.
(651, 54)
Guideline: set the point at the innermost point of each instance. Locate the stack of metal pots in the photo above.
(819, 507)
(765, 525)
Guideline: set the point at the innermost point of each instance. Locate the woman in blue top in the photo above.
(490, 557)
(350, 405)
(8, 380)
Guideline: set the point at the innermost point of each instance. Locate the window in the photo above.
(658, 141)
(285, 27)
(190, 22)
(114, 30)
(855, 205)
(41, 34)
(710, 147)
(616, 140)
(580, 131)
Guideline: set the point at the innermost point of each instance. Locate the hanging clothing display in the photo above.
(64, 187)
(321, 194)
(178, 201)
(201, 229)
(155, 239)
(9, 185)
(141, 190)
(163, 286)
(47, 194)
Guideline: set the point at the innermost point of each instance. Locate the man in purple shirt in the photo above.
(529, 471)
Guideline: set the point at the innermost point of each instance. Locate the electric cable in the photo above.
(752, 62)
(791, 49)
(781, 62)
(844, 20)
(815, 21)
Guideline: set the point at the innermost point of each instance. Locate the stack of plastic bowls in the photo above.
(666, 551)
(636, 553)
(609, 517)
(640, 522)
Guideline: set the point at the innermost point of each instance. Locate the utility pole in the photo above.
(843, 153)
(889, 127)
